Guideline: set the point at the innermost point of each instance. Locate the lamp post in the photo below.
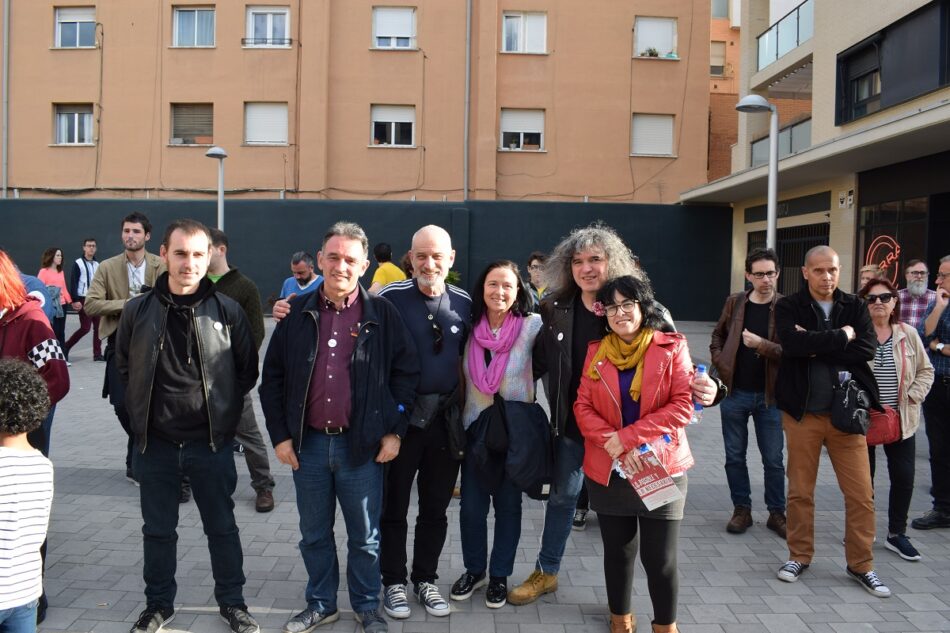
(220, 154)
(757, 103)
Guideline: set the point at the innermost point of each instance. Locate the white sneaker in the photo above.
(871, 583)
(429, 596)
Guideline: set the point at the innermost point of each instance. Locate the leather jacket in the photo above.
(727, 337)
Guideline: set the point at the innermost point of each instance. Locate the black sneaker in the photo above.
(131, 476)
(901, 544)
(239, 619)
(496, 596)
(308, 619)
(580, 520)
(429, 597)
(395, 601)
(791, 570)
(152, 619)
(871, 583)
(931, 520)
(466, 585)
(371, 622)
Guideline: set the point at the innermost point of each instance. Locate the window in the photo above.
(393, 125)
(652, 135)
(265, 123)
(267, 27)
(524, 32)
(655, 37)
(859, 83)
(193, 27)
(866, 93)
(522, 130)
(720, 8)
(74, 124)
(192, 124)
(394, 27)
(75, 27)
(717, 58)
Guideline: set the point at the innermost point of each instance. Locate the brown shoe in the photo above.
(264, 501)
(776, 523)
(665, 628)
(626, 623)
(537, 584)
(741, 520)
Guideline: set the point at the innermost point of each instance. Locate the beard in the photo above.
(917, 288)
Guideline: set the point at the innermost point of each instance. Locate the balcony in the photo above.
(787, 34)
(791, 139)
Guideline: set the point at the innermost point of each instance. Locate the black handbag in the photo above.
(849, 406)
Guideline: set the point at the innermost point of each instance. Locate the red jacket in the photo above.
(25, 334)
(665, 407)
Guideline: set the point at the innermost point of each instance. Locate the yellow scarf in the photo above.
(624, 356)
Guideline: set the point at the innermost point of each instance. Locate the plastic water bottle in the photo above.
(659, 446)
(697, 406)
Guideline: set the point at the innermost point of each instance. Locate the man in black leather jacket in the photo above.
(187, 356)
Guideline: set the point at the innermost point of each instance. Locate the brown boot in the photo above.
(537, 584)
(776, 523)
(665, 628)
(741, 520)
(626, 623)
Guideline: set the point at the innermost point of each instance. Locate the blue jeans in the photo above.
(213, 479)
(21, 619)
(566, 487)
(735, 411)
(327, 475)
(473, 518)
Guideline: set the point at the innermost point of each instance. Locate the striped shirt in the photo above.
(885, 372)
(26, 494)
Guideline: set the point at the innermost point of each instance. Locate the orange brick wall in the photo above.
(723, 126)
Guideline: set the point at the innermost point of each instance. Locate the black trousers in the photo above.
(622, 536)
(900, 470)
(424, 457)
(937, 423)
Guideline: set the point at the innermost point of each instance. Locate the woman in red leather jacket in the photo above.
(634, 390)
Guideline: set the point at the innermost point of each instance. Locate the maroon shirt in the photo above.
(328, 401)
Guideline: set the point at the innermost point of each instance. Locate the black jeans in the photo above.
(900, 470)
(937, 423)
(621, 540)
(425, 452)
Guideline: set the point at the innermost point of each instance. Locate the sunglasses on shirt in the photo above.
(437, 337)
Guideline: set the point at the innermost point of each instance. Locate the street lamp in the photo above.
(758, 103)
(220, 154)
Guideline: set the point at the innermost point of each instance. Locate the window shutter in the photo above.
(76, 14)
(652, 134)
(658, 33)
(265, 122)
(717, 55)
(394, 114)
(393, 22)
(192, 119)
(82, 108)
(522, 120)
(535, 32)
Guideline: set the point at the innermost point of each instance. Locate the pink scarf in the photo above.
(488, 379)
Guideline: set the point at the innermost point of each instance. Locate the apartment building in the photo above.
(355, 99)
(862, 162)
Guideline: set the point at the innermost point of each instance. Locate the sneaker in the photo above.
(372, 622)
(741, 520)
(238, 447)
(901, 544)
(931, 520)
(496, 596)
(791, 570)
(99, 359)
(580, 520)
(871, 583)
(152, 619)
(239, 619)
(395, 602)
(69, 364)
(466, 585)
(429, 596)
(777, 523)
(264, 501)
(131, 476)
(535, 586)
(308, 619)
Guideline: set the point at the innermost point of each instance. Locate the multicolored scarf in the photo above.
(624, 356)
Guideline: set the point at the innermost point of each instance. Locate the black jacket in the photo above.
(384, 373)
(226, 354)
(830, 346)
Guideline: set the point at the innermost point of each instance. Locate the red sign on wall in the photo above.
(885, 252)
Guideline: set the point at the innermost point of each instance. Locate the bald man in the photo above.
(823, 331)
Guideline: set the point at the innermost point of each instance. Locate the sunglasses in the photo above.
(437, 337)
(884, 297)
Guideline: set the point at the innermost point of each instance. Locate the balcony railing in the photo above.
(791, 139)
(789, 33)
(266, 41)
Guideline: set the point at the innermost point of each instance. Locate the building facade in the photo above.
(600, 100)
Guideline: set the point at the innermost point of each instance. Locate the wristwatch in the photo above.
(939, 347)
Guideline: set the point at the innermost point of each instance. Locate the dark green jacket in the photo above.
(243, 290)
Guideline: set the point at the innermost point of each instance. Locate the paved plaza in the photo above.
(727, 582)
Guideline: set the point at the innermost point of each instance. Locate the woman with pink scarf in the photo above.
(497, 360)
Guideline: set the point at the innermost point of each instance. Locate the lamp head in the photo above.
(753, 103)
(216, 152)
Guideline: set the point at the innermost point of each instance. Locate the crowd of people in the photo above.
(413, 382)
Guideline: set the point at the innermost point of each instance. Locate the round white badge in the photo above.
(455, 329)
(332, 342)
(218, 326)
(560, 336)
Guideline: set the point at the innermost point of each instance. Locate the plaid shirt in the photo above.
(913, 309)
(940, 362)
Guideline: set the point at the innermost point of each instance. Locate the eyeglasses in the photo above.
(626, 307)
(943, 275)
(771, 274)
(535, 267)
(917, 273)
(437, 337)
(884, 297)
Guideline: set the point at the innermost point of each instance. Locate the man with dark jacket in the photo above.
(744, 351)
(231, 283)
(187, 357)
(84, 269)
(824, 331)
(339, 375)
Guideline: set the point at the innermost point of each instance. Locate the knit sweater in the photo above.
(518, 381)
(240, 288)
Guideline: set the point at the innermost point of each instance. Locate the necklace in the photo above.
(437, 309)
